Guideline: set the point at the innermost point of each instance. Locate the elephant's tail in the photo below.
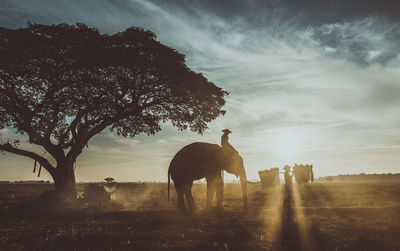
(312, 175)
(169, 182)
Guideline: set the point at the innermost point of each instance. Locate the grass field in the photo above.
(319, 216)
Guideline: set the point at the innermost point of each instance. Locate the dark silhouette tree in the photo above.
(62, 84)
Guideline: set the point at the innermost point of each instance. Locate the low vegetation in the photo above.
(319, 216)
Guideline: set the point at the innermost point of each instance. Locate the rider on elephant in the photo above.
(228, 148)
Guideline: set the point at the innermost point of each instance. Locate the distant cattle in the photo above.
(269, 178)
(303, 173)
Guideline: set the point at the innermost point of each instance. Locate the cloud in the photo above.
(372, 40)
(330, 68)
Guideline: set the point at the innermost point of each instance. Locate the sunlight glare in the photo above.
(288, 142)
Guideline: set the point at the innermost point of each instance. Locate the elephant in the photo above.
(269, 178)
(204, 160)
(303, 173)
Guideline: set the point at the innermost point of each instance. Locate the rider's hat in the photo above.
(226, 131)
(286, 168)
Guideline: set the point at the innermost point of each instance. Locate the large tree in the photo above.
(60, 85)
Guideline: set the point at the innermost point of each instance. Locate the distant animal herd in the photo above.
(302, 174)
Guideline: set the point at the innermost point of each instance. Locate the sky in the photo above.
(311, 81)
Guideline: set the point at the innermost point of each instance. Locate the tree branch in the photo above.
(42, 161)
(55, 151)
(26, 114)
(85, 135)
(71, 128)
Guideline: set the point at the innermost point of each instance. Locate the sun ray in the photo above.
(271, 213)
(307, 243)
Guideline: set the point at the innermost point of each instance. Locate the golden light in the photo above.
(288, 142)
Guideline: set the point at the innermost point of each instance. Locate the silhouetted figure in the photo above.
(288, 177)
(288, 185)
(109, 180)
(110, 186)
(225, 143)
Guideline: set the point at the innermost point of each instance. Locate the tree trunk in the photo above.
(64, 181)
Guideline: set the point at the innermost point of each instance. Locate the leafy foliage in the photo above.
(63, 84)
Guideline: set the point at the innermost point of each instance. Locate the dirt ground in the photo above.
(318, 216)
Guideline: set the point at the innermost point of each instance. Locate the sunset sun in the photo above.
(288, 143)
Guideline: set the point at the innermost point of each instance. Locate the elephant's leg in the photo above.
(189, 197)
(220, 191)
(211, 185)
(181, 203)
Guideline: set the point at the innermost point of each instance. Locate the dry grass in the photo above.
(320, 216)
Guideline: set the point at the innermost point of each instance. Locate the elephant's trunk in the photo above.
(243, 183)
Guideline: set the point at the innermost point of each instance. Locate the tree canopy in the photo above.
(62, 84)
